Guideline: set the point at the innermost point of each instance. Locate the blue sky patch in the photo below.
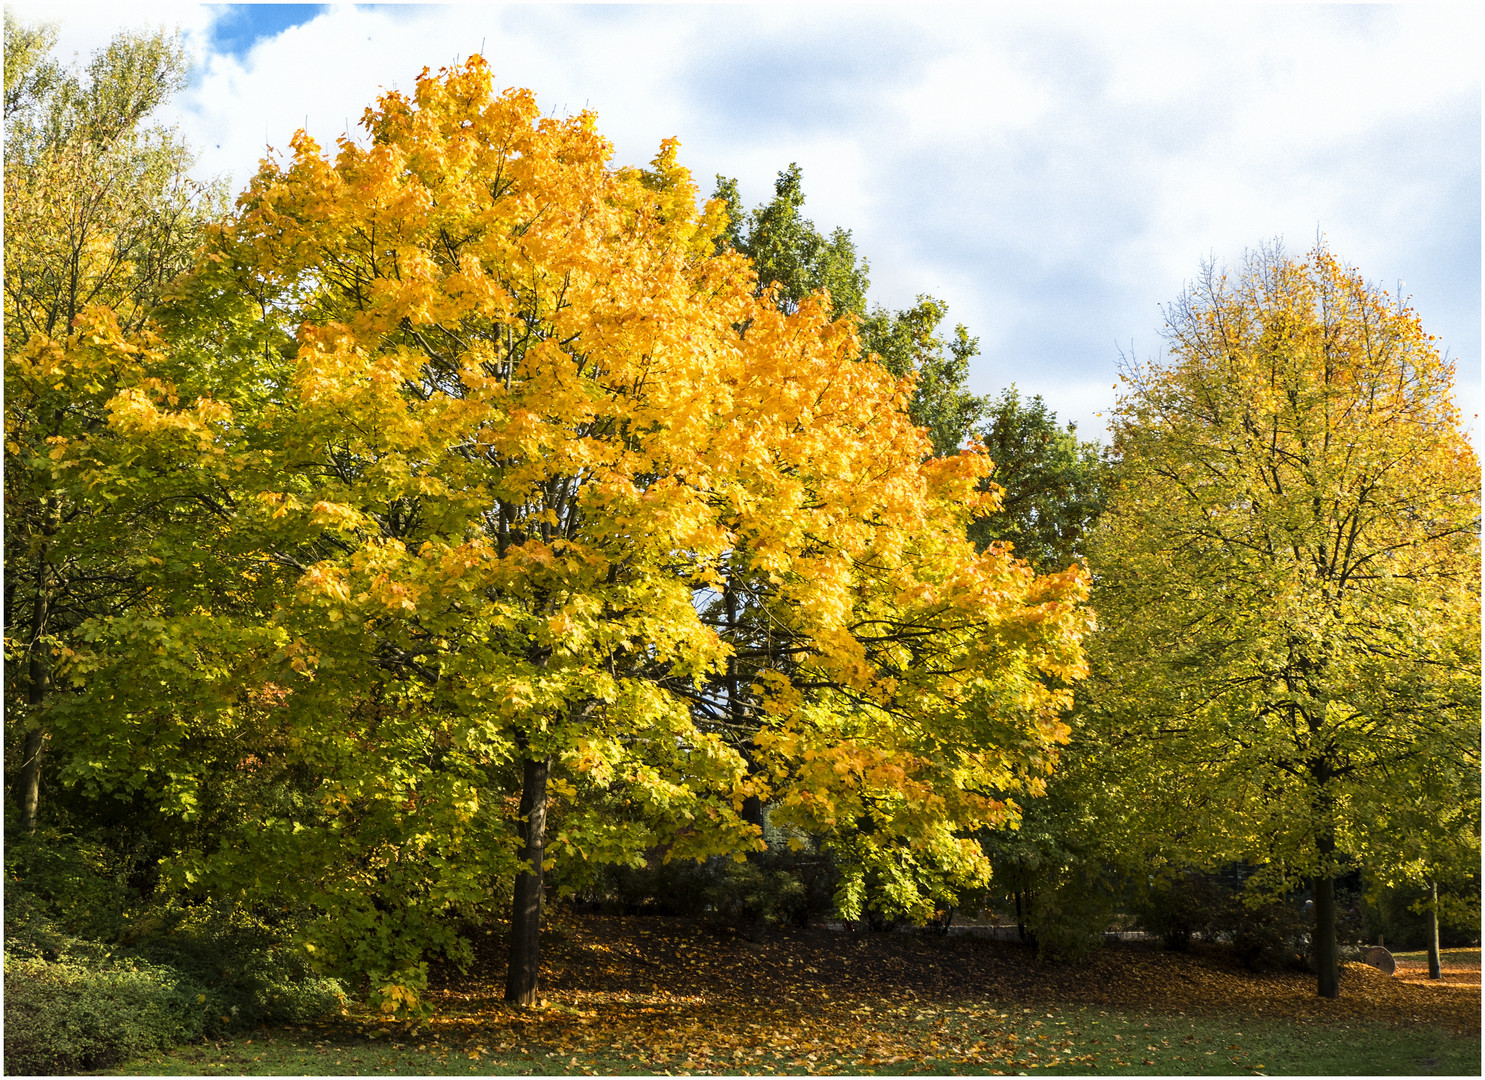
(239, 26)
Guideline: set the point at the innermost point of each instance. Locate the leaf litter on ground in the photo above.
(658, 995)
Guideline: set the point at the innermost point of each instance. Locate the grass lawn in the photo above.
(955, 1041)
(671, 996)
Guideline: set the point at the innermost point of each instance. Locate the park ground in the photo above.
(653, 995)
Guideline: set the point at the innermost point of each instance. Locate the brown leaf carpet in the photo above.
(661, 994)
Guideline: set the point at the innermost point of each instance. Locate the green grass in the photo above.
(1463, 957)
(1075, 1041)
(1106, 1042)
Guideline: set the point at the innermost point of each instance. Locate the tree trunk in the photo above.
(1435, 971)
(1327, 958)
(38, 678)
(525, 916)
(1327, 966)
(752, 808)
(31, 779)
(1023, 914)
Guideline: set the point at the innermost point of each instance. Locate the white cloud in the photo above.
(85, 28)
(972, 95)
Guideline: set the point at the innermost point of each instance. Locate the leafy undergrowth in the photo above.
(672, 996)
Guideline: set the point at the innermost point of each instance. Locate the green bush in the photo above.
(1266, 933)
(661, 888)
(1068, 916)
(248, 973)
(73, 882)
(68, 1017)
(72, 1004)
(778, 887)
(89, 983)
(750, 895)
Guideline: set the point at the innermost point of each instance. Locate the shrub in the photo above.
(751, 895)
(72, 883)
(88, 984)
(1188, 904)
(1266, 933)
(660, 888)
(247, 971)
(1067, 917)
(72, 1004)
(777, 887)
(68, 1017)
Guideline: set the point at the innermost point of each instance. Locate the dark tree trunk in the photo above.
(1327, 956)
(1327, 960)
(752, 808)
(525, 916)
(38, 677)
(1024, 901)
(1435, 970)
(752, 811)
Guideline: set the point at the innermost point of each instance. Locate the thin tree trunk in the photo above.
(1327, 960)
(1327, 956)
(1435, 970)
(31, 778)
(525, 918)
(38, 678)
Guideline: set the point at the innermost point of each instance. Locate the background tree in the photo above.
(1288, 571)
(98, 211)
(1053, 483)
(98, 204)
(1064, 862)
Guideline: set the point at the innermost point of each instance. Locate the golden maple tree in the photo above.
(507, 458)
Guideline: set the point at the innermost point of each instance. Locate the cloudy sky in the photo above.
(1055, 174)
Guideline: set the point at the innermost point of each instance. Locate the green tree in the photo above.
(1064, 860)
(1288, 575)
(1053, 483)
(789, 254)
(98, 211)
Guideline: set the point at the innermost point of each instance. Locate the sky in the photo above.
(1054, 173)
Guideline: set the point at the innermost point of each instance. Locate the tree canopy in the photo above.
(1053, 484)
(794, 260)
